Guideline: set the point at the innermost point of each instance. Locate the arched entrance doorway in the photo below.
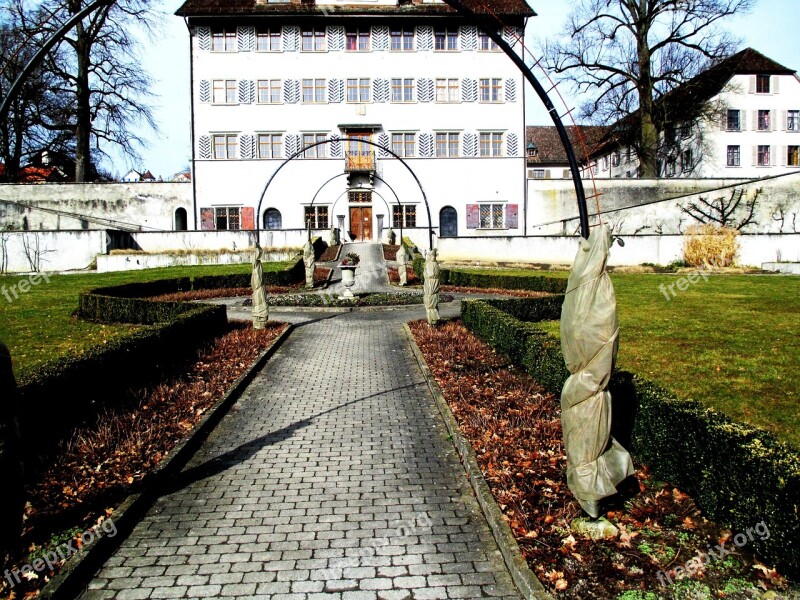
(181, 220)
(448, 222)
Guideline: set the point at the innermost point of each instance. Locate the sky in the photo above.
(771, 28)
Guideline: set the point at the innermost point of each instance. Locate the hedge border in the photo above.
(488, 280)
(732, 470)
(170, 329)
(524, 578)
(77, 572)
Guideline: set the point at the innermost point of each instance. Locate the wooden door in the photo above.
(361, 222)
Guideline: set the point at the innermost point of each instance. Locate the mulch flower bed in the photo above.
(331, 253)
(515, 429)
(411, 276)
(494, 291)
(390, 251)
(224, 293)
(107, 459)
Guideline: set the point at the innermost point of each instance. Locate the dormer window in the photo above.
(532, 150)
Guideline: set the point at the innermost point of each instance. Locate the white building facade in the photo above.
(750, 127)
(270, 79)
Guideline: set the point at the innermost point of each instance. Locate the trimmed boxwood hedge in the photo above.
(739, 475)
(532, 283)
(68, 389)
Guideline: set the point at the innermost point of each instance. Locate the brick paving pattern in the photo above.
(332, 477)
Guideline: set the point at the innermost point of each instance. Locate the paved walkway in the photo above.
(332, 477)
(371, 273)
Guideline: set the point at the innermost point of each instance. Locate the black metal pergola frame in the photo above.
(482, 22)
(302, 151)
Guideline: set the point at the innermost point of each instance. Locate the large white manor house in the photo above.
(271, 78)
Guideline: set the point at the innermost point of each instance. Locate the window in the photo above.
(446, 144)
(314, 90)
(272, 219)
(793, 120)
(485, 43)
(224, 91)
(228, 217)
(491, 144)
(447, 90)
(402, 90)
(223, 40)
(358, 90)
(685, 131)
(763, 120)
(687, 160)
(268, 40)
(491, 216)
(793, 156)
(491, 89)
(357, 40)
(734, 120)
(269, 91)
(225, 146)
(734, 156)
(313, 40)
(403, 144)
(402, 40)
(404, 216)
(670, 168)
(270, 145)
(316, 151)
(763, 156)
(615, 159)
(762, 84)
(317, 216)
(445, 40)
(605, 163)
(537, 173)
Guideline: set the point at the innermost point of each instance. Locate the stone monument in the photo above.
(260, 307)
(431, 287)
(402, 265)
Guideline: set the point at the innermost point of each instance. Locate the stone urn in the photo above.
(348, 279)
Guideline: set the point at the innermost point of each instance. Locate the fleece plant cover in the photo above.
(596, 462)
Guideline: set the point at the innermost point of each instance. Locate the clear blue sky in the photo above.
(771, 28)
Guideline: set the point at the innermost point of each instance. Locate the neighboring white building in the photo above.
(750, 128)
(134, 176)
(270, 78)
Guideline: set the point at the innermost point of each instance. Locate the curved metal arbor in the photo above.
(481, 23)
(376, 176)
(347, 139)
(40, 54)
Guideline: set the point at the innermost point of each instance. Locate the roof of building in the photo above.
(549, 148)
(683, 102)
(34, 174)
(193, 8)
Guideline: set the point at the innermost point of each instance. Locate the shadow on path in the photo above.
(244, 452)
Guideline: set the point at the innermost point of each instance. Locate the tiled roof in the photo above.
(196, 8)
(549, 146)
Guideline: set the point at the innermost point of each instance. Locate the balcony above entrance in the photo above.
(362, 161)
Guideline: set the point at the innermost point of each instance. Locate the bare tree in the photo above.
(735, 211)
(101, 74)
(28, 127)
(628, 54)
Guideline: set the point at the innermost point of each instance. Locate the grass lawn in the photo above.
(38, 325)
(732, 343)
